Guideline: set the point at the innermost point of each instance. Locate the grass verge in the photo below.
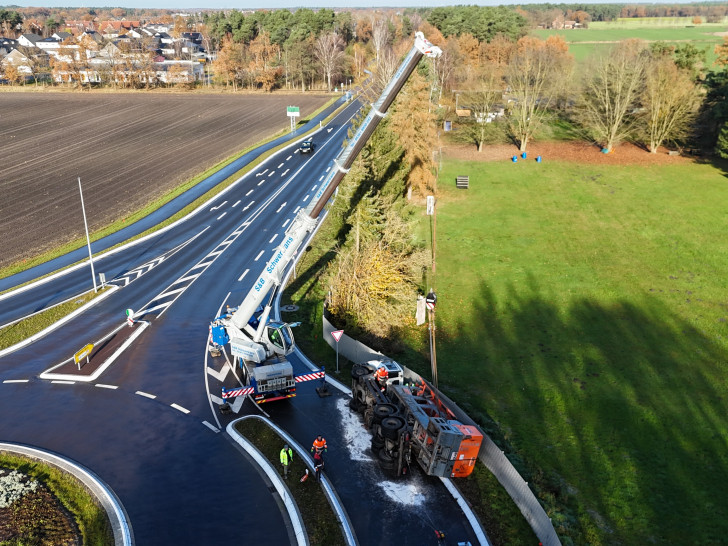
(318, 517)
(92, 521)
(17, 332)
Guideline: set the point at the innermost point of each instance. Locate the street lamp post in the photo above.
(88, 239)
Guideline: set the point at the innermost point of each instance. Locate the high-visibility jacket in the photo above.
(319, 445)
(382, 374)
(286, 456)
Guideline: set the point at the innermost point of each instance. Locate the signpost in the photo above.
(83, 353)
(430, 301)
(336, 334)
(130, 317)
(293, 112)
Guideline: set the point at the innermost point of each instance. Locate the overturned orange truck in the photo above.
(410, 423)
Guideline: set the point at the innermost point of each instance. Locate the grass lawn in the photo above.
(583, 310)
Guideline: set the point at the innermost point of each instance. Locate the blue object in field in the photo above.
(523, 155)
(514, 159)
(538, 159)
(605, 151)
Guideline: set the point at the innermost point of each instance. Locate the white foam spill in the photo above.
(404, 493)
(358, 439)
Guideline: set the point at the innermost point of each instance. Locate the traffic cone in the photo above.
(305, 476)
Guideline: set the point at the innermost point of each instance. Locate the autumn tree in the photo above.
(535, 76)
(481, 100)
(669, 99)
(612, 86)
(329, 53)
(381, 37)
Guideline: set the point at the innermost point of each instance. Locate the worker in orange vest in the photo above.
(382, 375)
(319, 445)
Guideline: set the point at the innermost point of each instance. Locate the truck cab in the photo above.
(280, 337)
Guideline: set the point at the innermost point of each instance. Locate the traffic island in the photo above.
(93, 359)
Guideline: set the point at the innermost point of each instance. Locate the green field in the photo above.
(583, 310)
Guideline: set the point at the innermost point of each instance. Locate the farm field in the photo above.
(128, 149)
(582, 308)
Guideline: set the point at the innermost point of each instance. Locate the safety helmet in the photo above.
(285, 446)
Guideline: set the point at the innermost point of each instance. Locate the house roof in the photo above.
(32, 37)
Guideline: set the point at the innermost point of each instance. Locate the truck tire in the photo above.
(383, 410)
(377, 443)
(386, 461)
(358, 371)
(391, 426)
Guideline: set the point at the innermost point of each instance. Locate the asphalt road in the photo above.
(150, 427)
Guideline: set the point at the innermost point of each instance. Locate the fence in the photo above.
(490, 454)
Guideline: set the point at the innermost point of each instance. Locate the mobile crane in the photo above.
(259, 344)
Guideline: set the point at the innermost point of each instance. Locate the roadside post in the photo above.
(293, 112)
(337, 336)
(130, 317)
(84, 352)
(430, 301)
(88, 239)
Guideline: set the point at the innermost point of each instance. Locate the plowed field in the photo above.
(128, 149)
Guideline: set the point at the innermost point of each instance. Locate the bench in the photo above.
(462, 182)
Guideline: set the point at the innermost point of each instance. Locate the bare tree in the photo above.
(481, 101)
(611, 89)
(329, 51)
(670, 101)
(381, 37)
(534, 77)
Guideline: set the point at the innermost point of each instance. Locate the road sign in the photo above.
(337, 335)
(430, 205)
(293, 111)
(83, 353)
(431, 300)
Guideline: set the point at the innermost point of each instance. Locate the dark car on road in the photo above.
(306, 147)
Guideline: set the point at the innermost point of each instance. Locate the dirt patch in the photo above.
(128, 149)
(577, 152)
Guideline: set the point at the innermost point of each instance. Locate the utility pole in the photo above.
(88, 239)
(431, 300)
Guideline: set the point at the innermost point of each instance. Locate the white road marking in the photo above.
(289, 157)
(306, 198)
(223, 214)
(261, 174)
(217, 207)
(271, 174)
(236, 203)
(16, 380)
(146, 394)
(102, 386)
(273, 238)
(314, 188)
(64, 382)
(322, 177)
(188, 278)
(261, 182)
(246, 208)
(238, 403)
(281, 207)
(296, 210)
(211, 427)
(246, 195)
(258, 256)
(279, 166)
(221, 375)
(284, 173)
(286, 223)
(328, 169)
(241, 277)
(171, 292)
(180, 408)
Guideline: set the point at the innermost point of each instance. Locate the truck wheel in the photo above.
(377, 443)
(368, 416)
(358, 371)
(386, 461)
(391, 426)
(383, 410)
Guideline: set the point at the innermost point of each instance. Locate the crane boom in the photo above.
(305, 221)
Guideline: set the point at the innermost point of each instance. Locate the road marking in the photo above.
(306, 198)
(240, 278)
(221, 375)
(146, 394)
(223, 214)
(185, 279)
(180, 408)
(258, 256)
(327, 170)
(217, 207)
(271, 174)
(322, 177)
(171, 292)
(284, 173)
(281, 207)
(279, 166)
(16, 380)
(261, 174)
(64, 382)
(246, 208)
(314, 188)
(211, 427)
(289, 157)
(296, 210)
(102, 386)
(246, 195)
(261, 182)
(217, 400)
(238, 403)
(273, 238)
(236, 203)
(286, 223)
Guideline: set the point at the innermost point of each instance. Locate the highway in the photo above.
(150, 425)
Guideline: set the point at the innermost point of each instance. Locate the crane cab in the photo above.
(279, 338)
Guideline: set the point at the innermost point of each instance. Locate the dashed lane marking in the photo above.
(286, 223)
(102, 386)
(296, 210)
(273, 238)
(243, 275)
(259, 255)
(289, 157)
(16, 380)
(59, 382)
(314, 188)
(328, 169)
(249, 192)
(261, 182)
(271, 174)
(146, 395)
(211, 427)
(306, 198)
(284, 173)
(180, 408)
(279, 166)
(223, 214)
(236, 203)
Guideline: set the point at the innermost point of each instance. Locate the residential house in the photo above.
(61, 36)
(29, 39)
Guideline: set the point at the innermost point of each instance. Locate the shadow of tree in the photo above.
(620, 407)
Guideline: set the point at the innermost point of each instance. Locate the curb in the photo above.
(111, 504)
(331, 495)
(58, 323)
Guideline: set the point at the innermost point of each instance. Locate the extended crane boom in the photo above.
(253, 337)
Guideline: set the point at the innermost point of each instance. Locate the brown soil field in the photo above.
(128, 149)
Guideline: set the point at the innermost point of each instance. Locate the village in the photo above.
(120, 53)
